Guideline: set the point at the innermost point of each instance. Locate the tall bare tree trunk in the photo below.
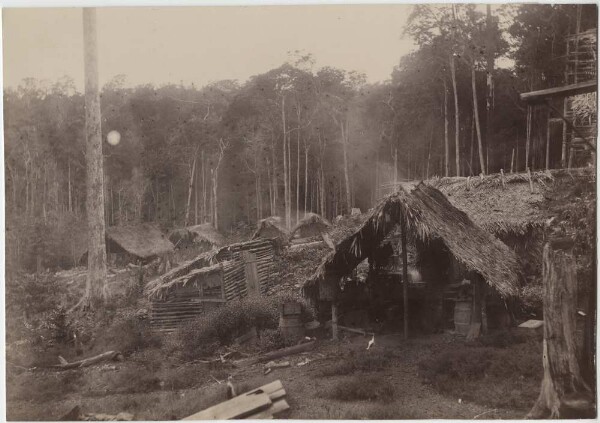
(456, 114)
(275, 193)
(298, 169)
(190, 188)
(196, 193)
(286, 186)
(306, 147)
(322, 176)
(489, 82)
(96, 291)
(345, 140)
(446, 143)
(476, 116)
(70, 188)
(564, 394)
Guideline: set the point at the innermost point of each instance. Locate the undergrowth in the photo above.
(491, 376)
(204, 335)
(360, 388)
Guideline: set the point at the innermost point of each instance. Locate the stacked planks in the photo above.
(261, 403)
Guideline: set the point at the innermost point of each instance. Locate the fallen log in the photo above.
(284, 352)
(107, 356)
(353, 330)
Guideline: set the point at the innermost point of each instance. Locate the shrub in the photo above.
(219, 327)
(270, 339)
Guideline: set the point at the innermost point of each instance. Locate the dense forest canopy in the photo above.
(290, 140)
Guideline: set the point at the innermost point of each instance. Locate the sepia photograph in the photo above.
(307, 212)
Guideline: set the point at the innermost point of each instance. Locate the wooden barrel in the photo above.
(292, 329)
(462, 316)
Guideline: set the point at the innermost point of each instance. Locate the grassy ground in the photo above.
(420, 378)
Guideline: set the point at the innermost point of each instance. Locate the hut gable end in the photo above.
(429, 216)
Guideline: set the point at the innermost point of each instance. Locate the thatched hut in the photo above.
(271, 227)
(134, 244)
(311, 225)
(436, 228)
(204, 236)
(209, 280)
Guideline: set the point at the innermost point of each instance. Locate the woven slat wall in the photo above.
(183, 305)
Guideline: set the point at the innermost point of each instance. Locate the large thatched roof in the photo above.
(143, 241)
(429, 216)
(509, 204)
(512, 207)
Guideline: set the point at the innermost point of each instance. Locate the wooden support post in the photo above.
(476, 314)
(404, 273)
(502, 178)
(334, 320)
(484, 319)
(564, 394)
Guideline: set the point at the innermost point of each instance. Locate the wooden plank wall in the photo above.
(184, 303)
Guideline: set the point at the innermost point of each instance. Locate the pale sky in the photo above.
(202, 44)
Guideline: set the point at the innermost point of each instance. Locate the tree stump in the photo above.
(564, 394)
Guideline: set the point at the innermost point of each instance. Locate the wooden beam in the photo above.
(559, 92)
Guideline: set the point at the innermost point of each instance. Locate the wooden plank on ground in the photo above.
(268, 389)
(236, 408)
(268, 413)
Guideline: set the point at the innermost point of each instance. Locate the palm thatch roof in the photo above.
(143, 241)
(231, 261)
(429, 216)
(157, 288)
(204, 232)
(311, 224)
(271, 227)
(505, 204)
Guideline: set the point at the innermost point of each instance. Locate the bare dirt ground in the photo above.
(324, 388)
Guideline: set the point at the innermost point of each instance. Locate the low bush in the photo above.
(204, 335)
(270, 339)
(361, 388)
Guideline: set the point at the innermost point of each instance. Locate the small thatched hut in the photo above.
(205, 236)
(271, 227)
(311, 225)
(132, 244)
(433, 223)
(209, 280)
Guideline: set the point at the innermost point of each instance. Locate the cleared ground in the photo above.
(436, 376)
